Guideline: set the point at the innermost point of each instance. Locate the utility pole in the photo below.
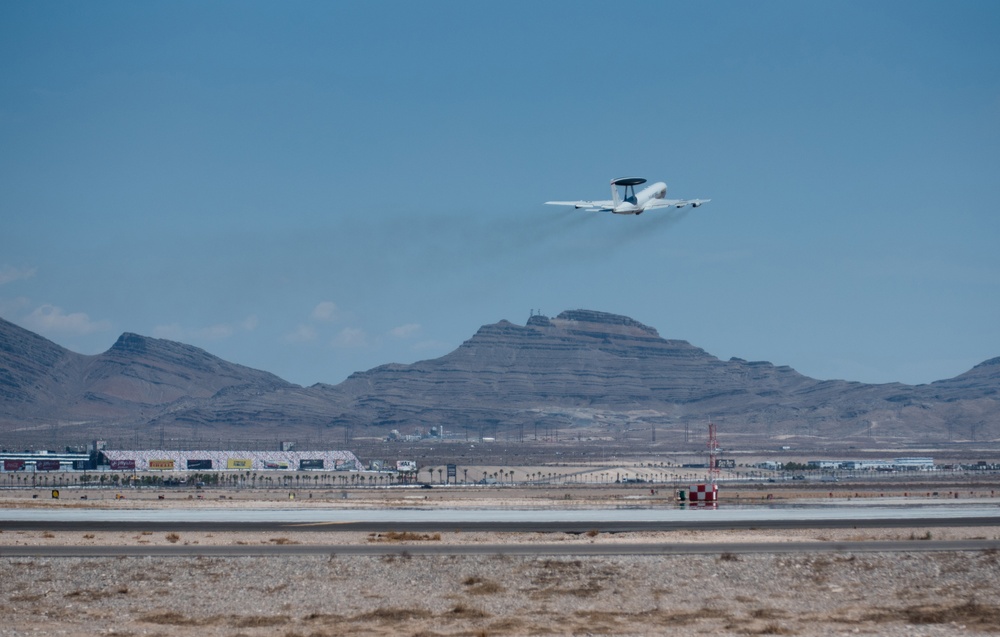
(713, 451)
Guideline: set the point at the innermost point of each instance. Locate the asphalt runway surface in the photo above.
(221, 526)
(618, 520)
(513, 549)
(327, 524)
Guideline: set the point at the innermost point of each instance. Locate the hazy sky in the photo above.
(317, 188)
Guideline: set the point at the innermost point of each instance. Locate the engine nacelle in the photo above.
(695, 205)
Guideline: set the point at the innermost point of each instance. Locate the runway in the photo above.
(324, 525)
(595, 549)
(619, 520)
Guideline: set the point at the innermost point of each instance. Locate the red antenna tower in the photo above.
(713, 451)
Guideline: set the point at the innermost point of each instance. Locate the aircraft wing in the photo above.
(675, 203)
(588, 205)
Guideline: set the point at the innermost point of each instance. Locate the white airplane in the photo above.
(631, 203)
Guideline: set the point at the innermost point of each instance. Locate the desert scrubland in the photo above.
(405, 593)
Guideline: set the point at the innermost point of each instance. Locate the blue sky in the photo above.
(317, 188)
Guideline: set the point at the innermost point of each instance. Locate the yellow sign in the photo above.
(239, 463)
(162, 464)
(55, 494)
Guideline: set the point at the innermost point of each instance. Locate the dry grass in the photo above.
(676, 618)
(172, 618)
(94, 595)
(256, 621)
(406, 536)
(768, 629)
(768, 613)
(480, 586)
(461, 611)
(393, 615)
(970, 613)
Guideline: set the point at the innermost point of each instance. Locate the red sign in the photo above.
(13, 465)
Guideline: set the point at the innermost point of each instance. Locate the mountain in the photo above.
(583, 373)
(599, 374)
(137, 379)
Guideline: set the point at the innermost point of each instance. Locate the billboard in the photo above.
(13, 465)
(162, 465)
(725, 463)
(198, 465)
(406, 465)
(310, 464)
(271, 464)
(46, 465)
(239, 463)
(122, 465)
(345, 465)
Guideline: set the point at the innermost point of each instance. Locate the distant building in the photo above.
(40, 461)
(866, 465)
(165, 460)
(825, 464)
(913, 464)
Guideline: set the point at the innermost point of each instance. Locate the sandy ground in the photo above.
(326, 538)
(950, 593)
(810, 595)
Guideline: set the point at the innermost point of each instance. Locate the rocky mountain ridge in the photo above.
(584, 373)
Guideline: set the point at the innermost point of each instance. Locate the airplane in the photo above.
(632, 203)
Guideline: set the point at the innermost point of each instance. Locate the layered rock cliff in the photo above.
(579, 371)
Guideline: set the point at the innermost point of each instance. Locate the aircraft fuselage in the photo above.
(635, 204)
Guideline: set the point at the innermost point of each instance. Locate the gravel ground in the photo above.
(822, 594)
(948, 593)
(143, 538)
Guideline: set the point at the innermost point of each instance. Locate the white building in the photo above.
(164, 460)
(913, 464)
